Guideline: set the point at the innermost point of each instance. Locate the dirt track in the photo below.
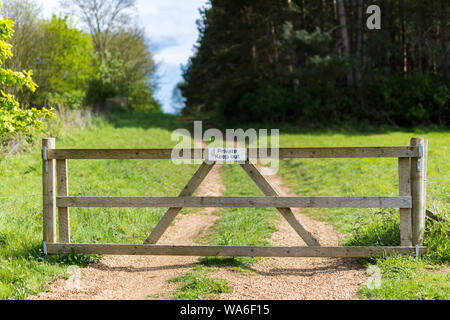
(298, 278)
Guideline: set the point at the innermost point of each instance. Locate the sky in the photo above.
(170, 26)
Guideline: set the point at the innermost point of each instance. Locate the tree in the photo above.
(12, 118)
(301, 61)
(65, 63)
(124, 64)
(103, 18)
(292, 55)
(345, 39)
(25, 14)
(126, 72)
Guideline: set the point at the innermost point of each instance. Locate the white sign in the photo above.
(227, 154)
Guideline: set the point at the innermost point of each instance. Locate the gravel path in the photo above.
(297, 278)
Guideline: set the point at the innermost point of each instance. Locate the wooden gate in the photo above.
(412, 164)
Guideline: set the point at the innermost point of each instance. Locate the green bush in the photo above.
(12, 117)
(408, 101)
(64, 64)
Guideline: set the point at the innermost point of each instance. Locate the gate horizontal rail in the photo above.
(412, 164)
(235, 202)
(231, 251)
(261, 153)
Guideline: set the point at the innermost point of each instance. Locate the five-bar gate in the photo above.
(412, 164)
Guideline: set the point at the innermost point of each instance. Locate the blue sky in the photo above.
(170, 26)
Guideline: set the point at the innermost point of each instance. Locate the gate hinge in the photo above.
(419, 160)
(45, 158)
(420, 151)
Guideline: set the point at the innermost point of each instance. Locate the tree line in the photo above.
(315, 62)
(102, 61)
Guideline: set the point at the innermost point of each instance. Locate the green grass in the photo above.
(23, 268)
(357, 177)
(197, 285)
(378, 177)
(407, 278)
(236, 226)
(240, 226)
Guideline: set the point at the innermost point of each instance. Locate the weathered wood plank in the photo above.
(48, 192)
(171, 214)
(284, 153)
(230, 251)
(236, 202)
(63, 191)
(351, 152)
(404, 185)
(287, 213)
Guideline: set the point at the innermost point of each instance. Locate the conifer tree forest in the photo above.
(316, 62)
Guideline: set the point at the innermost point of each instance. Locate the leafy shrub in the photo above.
(64, 64)
(412, 100)
(12, 117)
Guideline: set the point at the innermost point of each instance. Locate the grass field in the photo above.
(24, 270)
(403, 278)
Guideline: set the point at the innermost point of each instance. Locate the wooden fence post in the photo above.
(48, 191)
(404, 186)
(63, 191)
(418, 190)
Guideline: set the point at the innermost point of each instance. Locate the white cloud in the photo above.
(174, 55)
(50, 7)
(175, 19)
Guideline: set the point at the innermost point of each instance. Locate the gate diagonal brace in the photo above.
(287, 213)
(172, 213)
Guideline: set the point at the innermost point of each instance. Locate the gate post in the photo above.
(62, 189)
(404, 183)
(418, 190)
(48, 192)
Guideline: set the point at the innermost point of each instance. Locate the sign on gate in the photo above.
(227, 154)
